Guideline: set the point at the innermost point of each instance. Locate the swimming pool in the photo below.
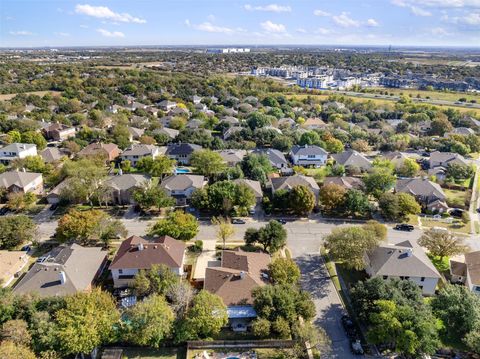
(182, 170)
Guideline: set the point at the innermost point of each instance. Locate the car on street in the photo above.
(356, 347)
(281, 221)
(238, 221)
(349, 327)
(53, 207)
(404, 227)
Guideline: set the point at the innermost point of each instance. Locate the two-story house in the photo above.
(59, 132)
(405, 260)
(18, 181)
(17, 150)
(136, 152)
(181, 152)
(288, 183)
(181, 187)
(467, 272)
(424, 191)
(308, 155)
(136, 253)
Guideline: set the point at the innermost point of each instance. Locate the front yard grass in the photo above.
(149, 353)
(459, 227)
(442, 264)
(455, 198)
(262, 353)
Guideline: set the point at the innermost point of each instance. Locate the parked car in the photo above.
(281, 221)
(456, 212)
(41, 259)
(26, 248)
(349, 327)
(53, 207)
(3, 211)
(404, 227)
(356, 347)
(238, 221)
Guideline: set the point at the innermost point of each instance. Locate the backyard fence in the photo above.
(213, 344)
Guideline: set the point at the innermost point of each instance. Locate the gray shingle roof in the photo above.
(127, 181)
(308, 150)
(182, 149)
(292, 181)
(275, 156)
(183, 182)
(19, 179)
(419, 187)
(352, 158)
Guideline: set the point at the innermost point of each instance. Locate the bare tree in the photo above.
(180, 294)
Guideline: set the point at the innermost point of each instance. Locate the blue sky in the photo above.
(232, 22)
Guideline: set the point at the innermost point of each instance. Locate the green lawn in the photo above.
(455, 198)
(263, 353)
(149, 353)
(442, 264)
(454, 227)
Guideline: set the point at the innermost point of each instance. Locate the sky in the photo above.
(56, 23)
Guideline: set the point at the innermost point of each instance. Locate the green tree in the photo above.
(272, 236)
(225, 229)
(19, 201)
(150, 322)
(159, 166)
(87, 322)
(379, 181)
(257, 167)
(81, 226)
(409, 168)
(14, 136)
(284, 271)
(177, 224)
(244, 199)
(261, 328)
(301, 200)
(442, 243)
(206, 317)
(332, 197)
(356, 203)
(16, 331)
(398, 206)
(281, 327)
(439, 126)
(459, 172)
(259, 120)
(208, 163)
(36, 138)
(16, 230)
(9, 350)
(350, 244)
(150, 195)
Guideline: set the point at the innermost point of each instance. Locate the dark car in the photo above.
(3, 211)
(356, 347)
(349, 327)
(404, 227)
(53, 207)
(281, 221)
(238, 221)
(456, 212)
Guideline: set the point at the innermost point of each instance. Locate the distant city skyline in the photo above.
(56, 23)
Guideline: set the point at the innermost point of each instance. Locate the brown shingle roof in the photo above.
(240, 273)
(163, 250)
(472, 260)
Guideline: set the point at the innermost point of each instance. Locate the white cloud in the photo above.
(103, 12)
(21, 33)
(269, 8)
(107, 33)
(438, 3)
(62, 34)
(372, 23)
(209, 27)
(417, 11)
(301, 30)
(345, 21)
(472, 19)
(321, 13)
(322, 31)
(269, 26)
(440, 31)
(211, 17)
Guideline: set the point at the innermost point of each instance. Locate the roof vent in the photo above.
(155, 247)
(242, 274)
(140, 246)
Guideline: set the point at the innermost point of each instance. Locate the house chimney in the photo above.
(63, 277)
(140, 246)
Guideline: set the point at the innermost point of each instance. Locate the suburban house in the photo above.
(167, 105)
(405, 260)
(286, 122)
(55, 194)
(11, 262)
(313, 123)
(136, 253)
(123, 186)
(238, 274)
(109, 151)
(462, 131)
(181, 187)
(346, 182)
(15, 151)
(443, 159)
(135, 133)
(468, 272)
(136, 152)
(64, 271)
(255, 186)
(58, 132)
(277, 159)
(19, 181)
(232, 121)
(169, 132)
(308, 155)
(352, 158)
(232, 157)
(424, 191)
(231, 131)
(181, 152)
(287, 183)
(52, 154)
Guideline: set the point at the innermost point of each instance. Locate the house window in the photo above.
(120, 271)
(422, 279)
(311, 156)
(421, 287)
(407, 278)
(477, 289)
(385, 277)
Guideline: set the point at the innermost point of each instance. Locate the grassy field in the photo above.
(455, 198)
(263, 353)
(9, 96)
(454, 227)
(434, 95)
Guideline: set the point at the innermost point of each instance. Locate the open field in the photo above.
(148, 353)
(382, 102)
(434, 95)
(434, 61)
(9, 96)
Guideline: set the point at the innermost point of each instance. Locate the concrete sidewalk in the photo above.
(206, 259)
